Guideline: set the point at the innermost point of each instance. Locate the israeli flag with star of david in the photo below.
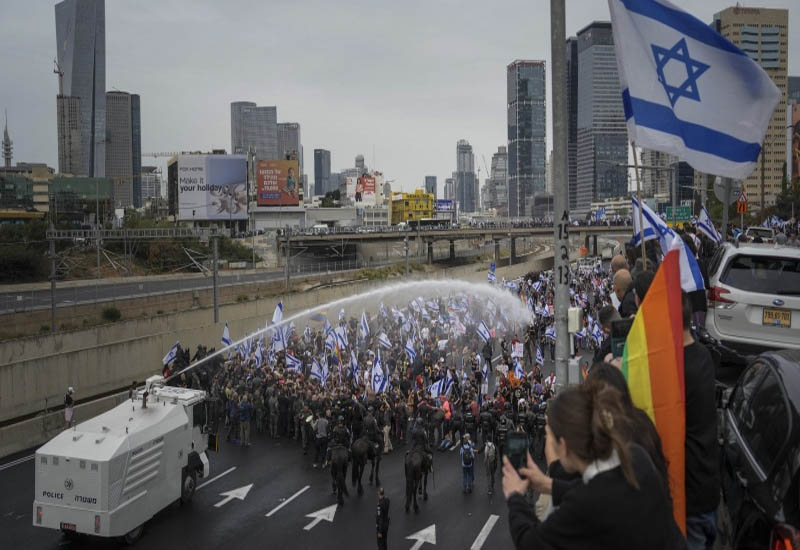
(687, 90)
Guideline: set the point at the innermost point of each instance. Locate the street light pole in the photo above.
(216, 288)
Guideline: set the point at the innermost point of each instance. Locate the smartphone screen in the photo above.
(619, 333)
(516, 449)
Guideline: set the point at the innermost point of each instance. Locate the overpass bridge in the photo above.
(344, 242)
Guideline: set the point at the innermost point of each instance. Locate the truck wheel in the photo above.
(188, 485)
(134, 534)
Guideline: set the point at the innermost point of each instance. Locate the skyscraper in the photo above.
(254, 127)
(526, 134)
(763, 35)
(450, 188)
(657, 181)
(289, 142)
(793, 90)
(602, 135)
(119, 147)
(8, 146)
(572, 120)
(322, 171)
(136, 150)
(360, 164)
(466, 183)
(498, 183)
(81, 51)
(70, 152)
(151, 183)
(430, 185)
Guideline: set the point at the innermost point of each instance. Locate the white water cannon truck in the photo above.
(108, 476)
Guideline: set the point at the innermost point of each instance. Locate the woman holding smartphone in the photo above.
(622, 501)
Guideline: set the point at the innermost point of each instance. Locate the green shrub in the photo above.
(111, 314)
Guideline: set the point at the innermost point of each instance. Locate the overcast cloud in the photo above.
(399, 82)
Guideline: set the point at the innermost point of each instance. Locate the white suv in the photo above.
(754, 297)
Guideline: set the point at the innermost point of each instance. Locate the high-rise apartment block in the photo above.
(527, 134)
(151, 183)
(289, 144)
(793, 90)
(763, 34)
(497, 183)
(430, 185)
(70, 152)
(657, 174)
(450, 188)
(466, 182)
(602, 136)
(8, 146)
(81, 54)
(322, 171)
(254, 128)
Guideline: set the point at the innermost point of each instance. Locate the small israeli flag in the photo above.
(378, 376)
(492, 276)
(681, 81)
(307, 334)
(364, 325)
(293, 363)
(448, 382)
(706, 226)
(519, 372)
(172, 354)
(277, 316)
(550, 332)
(354, 364)
(341, 336)
(318, 372)
(384, 340)
(226, 336)
(539, 356)
(412, 354)
(436, 388)
(341, 314)
(483, 332)
(259, 355)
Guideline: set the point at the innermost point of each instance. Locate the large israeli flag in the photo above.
(378, 376)
(492, 275)
(293, 363)
(483, 332)
(384, 340)
(319, 371)
(519, 372)
(687, 90)
(410, 351)
(705, 225)
(364, 324)
(436, 389)
(277, 316)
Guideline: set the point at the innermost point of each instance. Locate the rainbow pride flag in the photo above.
(652, 363)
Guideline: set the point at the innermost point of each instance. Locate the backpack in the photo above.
(469, 456)
(491, 452)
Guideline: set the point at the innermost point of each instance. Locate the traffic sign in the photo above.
(682, 213)
(719, 189)
(741, 203)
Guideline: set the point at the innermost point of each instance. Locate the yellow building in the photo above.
(414, 206)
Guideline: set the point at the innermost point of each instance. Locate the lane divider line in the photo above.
(287, 501)
(484, 534)
(16, 462)
(213, 479)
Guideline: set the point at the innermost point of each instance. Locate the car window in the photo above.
(763, 233)
(762, 274)
(716, 260)
(765, 423)
(745, 388)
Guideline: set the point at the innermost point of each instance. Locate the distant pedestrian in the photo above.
(245, 414)
(468, 464)
(382, 519)
(490, 460)
(68, 404)
(321, 437)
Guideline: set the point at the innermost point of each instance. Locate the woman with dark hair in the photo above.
(622, 501)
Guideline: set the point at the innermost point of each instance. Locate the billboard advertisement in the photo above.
(365, 190)
(795, 146)
(277, 183)
(444, 205)
(212, 187)
(350, 186)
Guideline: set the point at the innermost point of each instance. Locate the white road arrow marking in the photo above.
(426, 535)
(287, 501)
(484, 534)
(319, 515)
(239, 493)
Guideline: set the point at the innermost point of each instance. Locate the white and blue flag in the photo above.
(226, 336)
(539, 356)
(259, 355)
(600, 213)
(293, 363)
(384, 340)
(687, 90)
(341, 336)
(277, 316)
(319, 371)
(412, 354)
(278, 340)
(172, 354)
(354, 364)
(492, 275)
(706, 226)
(519, 372)
(483, 332)
(691, 277)
(550, 332)
(436, 389)
(378, 376)
(307, 334)
(364, 325)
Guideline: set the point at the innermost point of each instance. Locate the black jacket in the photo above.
(607, 512)
(627, 306)
(382, 515)
(702, 450)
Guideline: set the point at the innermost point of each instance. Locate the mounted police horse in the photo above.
(417, 466)
(339, 460)
(363, 449)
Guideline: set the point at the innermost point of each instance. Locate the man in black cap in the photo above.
(382, 519)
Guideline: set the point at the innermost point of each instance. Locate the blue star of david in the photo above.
(679, 52)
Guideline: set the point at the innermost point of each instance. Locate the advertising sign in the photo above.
(365, 190)
(350, 186)
(212, 187)
(444, 205)
(795, 151)
(277, 183)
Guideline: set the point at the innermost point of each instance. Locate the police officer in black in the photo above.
(504, 426)
(486, 419)
(382, 519)
(371, 426)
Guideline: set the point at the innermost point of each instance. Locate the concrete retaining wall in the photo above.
(35, 371)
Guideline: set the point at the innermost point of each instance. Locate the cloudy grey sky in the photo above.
(403, 79)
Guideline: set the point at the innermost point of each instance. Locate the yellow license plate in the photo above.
(777, 318)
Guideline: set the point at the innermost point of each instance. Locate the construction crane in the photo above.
(162, 154)
(57, 70)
